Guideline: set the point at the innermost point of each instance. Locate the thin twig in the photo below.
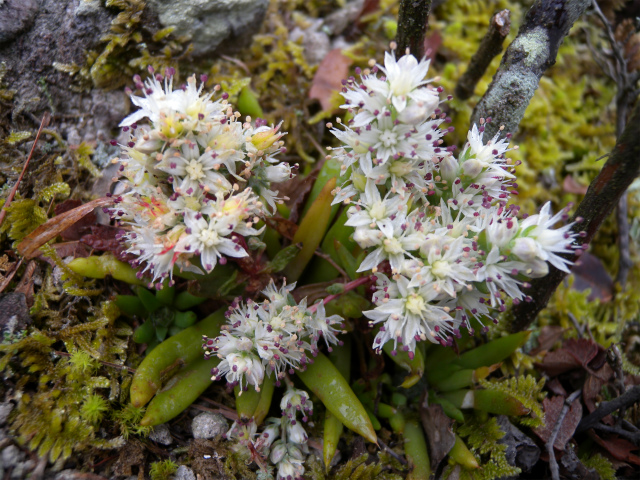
(553, 464)
(44, 123)
(490, 46)
(386, 448)
(628, 398)
(352, 285)
(328, 258)
(632, 436)
(413, 16)
(574, 320)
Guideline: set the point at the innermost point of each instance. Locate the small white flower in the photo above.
(404, 79)
(409, 313)
(548, 242)
(208, 239)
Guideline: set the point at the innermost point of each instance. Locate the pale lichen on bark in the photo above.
(527, 58)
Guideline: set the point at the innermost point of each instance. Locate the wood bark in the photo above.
(532, 52)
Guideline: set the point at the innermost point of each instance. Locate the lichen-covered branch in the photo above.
(412, 26)
(532, 52)
(622, 167)
(490, 46)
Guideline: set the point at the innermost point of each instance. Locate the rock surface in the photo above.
(184, 473)
(209, 23)
(209, 425)
(161, 434)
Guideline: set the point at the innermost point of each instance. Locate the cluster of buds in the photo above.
(198, 179)
(273, 336)
(283, 440)
(439, 225)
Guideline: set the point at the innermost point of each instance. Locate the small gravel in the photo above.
(209, 425)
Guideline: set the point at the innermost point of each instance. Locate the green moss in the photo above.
(163, 470)
(600, 464)
(527, 390)
(481, 436)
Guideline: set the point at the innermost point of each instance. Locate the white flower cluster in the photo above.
(198, 178)
(438, 225)
(284, 439)
(271, 336)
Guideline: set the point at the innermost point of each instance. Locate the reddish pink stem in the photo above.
(352, 285)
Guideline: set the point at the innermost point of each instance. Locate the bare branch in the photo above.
(532, 52)
(490, 46)
(625, 400)
(621, 168)
(412, 26)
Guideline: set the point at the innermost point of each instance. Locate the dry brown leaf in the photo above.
(589, 272)
(328, 78)
(438, 427)
(575, 353)
(29, 246)
(618, 448)
(75, 231)
(552, 408)
(549, 335)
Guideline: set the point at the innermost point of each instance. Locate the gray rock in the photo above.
(315, 42)
(14, 314)
(522, 452)
(184, 473)
(11, 456)
(161, 434)
(209, 425)
(5, 410)
(211, 22)
(15, 17)
(20, 471)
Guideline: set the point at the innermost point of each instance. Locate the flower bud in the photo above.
(359, 181)
(418, 112)
(449, 168)
(278, 173)
(538, 268)
(366, 237)
(526, 249)
(296, 433)
(278, 451)
(265, 137)
(472, 167)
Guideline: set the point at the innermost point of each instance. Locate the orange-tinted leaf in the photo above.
(571, 185)
(75, 231)
(328, 78)
(28, 247)
(432, 44)
(618, 448)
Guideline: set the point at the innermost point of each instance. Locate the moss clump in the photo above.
(482, 436)
(163, 470)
